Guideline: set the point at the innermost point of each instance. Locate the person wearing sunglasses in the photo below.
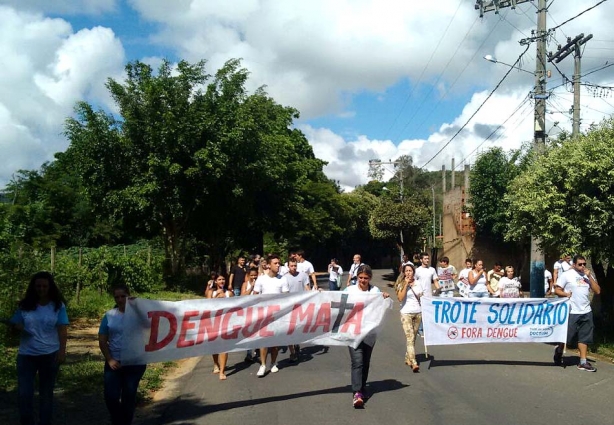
(576, 284)
(120, 382)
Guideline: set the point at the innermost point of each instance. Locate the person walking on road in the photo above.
(334, 275)
(361, 355)
(237, 276)
(477, 281)
(576, 284)
(270, 283)
(42, 322)
(446, 274)
(220, 291)
(509, 286)
(409, 294)
(352, 275)
(306, 267)
(121, 382)
(463, 278)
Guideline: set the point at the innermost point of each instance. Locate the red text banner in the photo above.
(156, 331)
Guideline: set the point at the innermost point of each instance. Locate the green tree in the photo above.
(389, 218)
(194, 158)
(565, 198)
(489, 180)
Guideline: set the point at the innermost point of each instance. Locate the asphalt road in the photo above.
(477, 384)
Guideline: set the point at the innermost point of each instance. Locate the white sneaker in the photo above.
(274, 369)
(261, 371)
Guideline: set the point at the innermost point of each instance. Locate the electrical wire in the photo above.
(425, 68)
(478, 109)
(441, 98)
(578, 15)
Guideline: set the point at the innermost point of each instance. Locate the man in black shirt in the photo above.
(237, 276)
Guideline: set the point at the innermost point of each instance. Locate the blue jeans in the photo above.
(332, 285)
(479, 295)
(237, 292)
(120, 388)
(361, 361)
(27, 367)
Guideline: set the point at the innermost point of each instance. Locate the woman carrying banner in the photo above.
(361, 355)
(42, 322)
(509, 286)
(477, 281)
(120, 382)
(409, 293)
(220, 291)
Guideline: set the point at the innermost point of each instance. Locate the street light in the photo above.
(492, 59)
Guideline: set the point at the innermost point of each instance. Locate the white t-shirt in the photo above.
(355, 289)
(425, 277)
(579, 286)
(266, 284)
(333, 275)
(547, 277)
(463, 282)
(305, 267)
(40, 329)
(446, 278)
(480, 285)
(561, 267)
(284, 270)
(509, 288)
(297, 283)
(112, 325)
(354, 269)
(410, 304)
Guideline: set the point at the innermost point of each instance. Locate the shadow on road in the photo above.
(442, 363)
(181, 411)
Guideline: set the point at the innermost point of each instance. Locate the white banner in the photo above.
(156, 331)
(449, 321)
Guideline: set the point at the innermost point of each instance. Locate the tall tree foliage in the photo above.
(489, 180)
(193, 156)
(566, 199)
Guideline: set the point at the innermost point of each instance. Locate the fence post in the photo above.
(79, 280)
(53, 259)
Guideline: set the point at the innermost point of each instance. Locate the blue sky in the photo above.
(371, 79)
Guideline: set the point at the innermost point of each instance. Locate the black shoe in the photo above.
(558, 357)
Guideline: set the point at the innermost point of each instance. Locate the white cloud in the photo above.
(77, 7)
(310, 54)
(46, 68)
(348, 158)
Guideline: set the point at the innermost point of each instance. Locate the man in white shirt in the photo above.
(306, 267)
(561, 266)
(548, 283)
(576, 284)
(270, 282)
(426, 275)
(297, 282)
(353, 269)
(334, 275)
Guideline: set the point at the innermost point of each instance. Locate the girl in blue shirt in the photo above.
(120, 382)
(42, 322)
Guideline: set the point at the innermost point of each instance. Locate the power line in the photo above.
(479, 108)
(578, 15)
(599, 69)
(425, 68)
(438, 78)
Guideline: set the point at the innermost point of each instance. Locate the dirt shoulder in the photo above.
(79, 390)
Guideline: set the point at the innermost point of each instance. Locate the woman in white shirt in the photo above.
(509, 286)
(42, 322)
(409, 293)
(477, 281)
(120, 382)
(220, 291)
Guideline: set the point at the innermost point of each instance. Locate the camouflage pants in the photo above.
(410, 323)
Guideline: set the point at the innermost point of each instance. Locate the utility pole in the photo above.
(539, 126)
(562, 52)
